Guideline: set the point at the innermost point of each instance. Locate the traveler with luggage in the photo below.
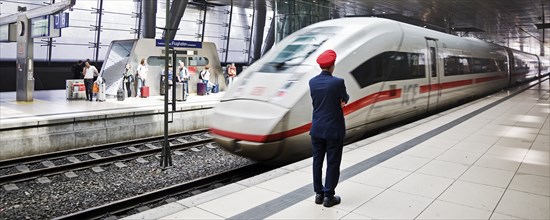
(141, 76)
(205, 77)
(184, 76)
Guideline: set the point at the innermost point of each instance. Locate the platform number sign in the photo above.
(61, 20)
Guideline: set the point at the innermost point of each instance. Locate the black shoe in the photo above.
(319, 198)
(331, 201)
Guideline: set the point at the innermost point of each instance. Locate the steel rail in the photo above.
(60, 154)
(88, 163)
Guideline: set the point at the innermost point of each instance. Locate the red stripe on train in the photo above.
(262, 138)
(446, 85)
(350, 108)
(454, 84)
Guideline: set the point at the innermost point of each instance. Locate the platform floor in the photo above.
(488, 159)
(52, 104)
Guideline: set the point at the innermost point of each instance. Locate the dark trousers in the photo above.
(88, 84)
(333, 149)
(128, 88)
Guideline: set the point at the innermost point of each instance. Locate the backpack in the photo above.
(200, 75)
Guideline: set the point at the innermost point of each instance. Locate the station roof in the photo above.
(507, 22)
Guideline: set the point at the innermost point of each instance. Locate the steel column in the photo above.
(166, 157)
(228, 32)
(176, 13)
(149, 18)
(258, 26)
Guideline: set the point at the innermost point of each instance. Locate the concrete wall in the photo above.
(30, 138)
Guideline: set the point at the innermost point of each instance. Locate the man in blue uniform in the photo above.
(328, 128)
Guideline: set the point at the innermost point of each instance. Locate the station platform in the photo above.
(488, 159)
(51, 122)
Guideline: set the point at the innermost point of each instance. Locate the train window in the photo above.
(400, 66)
(369, 72)
(390, 65)
(480, 65)
(433, 61)
(301, 47)
(456, 66)
(503, 65)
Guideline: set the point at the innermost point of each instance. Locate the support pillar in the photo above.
(176, 13)
(270, 38)
(24, 62)
(149, 18)
(258, 30)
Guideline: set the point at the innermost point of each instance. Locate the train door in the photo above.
(434, 88)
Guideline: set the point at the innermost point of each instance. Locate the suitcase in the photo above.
(180, 92)
(144, 91)
(101, 92)
(201, 88)
(120, 94)
(215, 88)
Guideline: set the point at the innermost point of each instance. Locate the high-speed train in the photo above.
(392, 71)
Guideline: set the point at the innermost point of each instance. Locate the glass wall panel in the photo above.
(240, 33)
(295, 15)
(189, 26)
(71, 52)
(215, 31)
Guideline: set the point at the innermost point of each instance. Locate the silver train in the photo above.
(392, 71)
(122, 52)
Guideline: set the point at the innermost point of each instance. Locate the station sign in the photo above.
(179, 43)
(61, 20)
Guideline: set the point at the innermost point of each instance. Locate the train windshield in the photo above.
(299, 49)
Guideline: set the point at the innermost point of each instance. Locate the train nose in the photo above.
(253, 129)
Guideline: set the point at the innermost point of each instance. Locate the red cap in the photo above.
(326, 59)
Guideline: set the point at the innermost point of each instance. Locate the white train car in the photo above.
(122, 52)
(392, 71)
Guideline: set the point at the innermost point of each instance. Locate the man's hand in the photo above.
(342, 103)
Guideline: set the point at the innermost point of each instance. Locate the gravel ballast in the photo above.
(64, 195)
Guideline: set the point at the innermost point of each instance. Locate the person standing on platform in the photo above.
(232, 73)
(328, 128)
(183, 76)
(205, 76)
(89, 72)
(141, 75)
(128, 79)
(77, 70)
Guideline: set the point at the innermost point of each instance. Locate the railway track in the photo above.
(121, 207)
(26, 168)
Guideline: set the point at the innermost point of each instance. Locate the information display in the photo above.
(4, 33)
(40, 26)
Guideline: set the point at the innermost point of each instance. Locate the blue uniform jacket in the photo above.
(328, 118)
